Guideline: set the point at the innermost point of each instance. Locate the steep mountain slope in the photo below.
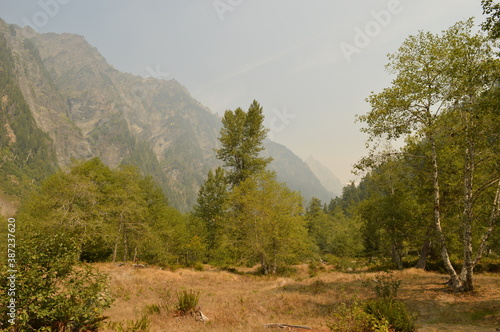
(87, 108)
(295, 172)
(325, 176)
(26, 152)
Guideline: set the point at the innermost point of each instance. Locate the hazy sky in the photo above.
(310, 63)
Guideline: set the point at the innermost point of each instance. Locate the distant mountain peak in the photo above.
(325, 175)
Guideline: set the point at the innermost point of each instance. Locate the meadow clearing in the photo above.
(239, 300)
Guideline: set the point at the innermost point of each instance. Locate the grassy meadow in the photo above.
(240, 300)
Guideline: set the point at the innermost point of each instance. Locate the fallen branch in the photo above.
(283, 326)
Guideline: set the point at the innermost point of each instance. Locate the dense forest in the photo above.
(431, 204)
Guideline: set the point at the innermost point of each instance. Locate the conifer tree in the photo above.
(209, 206)
(241, 138)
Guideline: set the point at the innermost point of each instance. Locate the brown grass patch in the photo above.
(245, 302)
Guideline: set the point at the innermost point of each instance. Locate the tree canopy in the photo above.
(443, 79)
(241, 138)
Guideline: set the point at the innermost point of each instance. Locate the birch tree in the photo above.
(438, 74)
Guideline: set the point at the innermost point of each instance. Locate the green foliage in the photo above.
(351, 195)
(199, 267)
(391, 214)
(442, 103)
(264, 223)
(54, 291)
(187, 302)
(385, 308)
(153, 309)
(27, 152)
(492, 22)
(142, 324)
(333, 232)
(385, 286)
(241, 138)
(117, 214)
(210, 205)
(393, 313)
(320, 226)
(344, 263)
(353, 318)
(384, 313)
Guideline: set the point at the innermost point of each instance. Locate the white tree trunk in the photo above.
(455, 280)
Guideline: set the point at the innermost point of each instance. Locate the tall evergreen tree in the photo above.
(241, 138)
(210, 204)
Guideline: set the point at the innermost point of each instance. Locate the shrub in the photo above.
(395, 313)
(384, 286)
(313, 269)
(350, 318)
(383, 314)
(187, 302)
(55, 291)
(354, 318)
(198, 266)
(346, 264)
(385, 308)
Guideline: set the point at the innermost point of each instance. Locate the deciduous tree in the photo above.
(438, 75)
(265, 223)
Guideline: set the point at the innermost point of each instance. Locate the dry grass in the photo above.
(245, 302)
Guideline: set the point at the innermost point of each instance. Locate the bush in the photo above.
(346, 264)
(384, 286)
(354, 318)
(55, 291)
(395, 313)
(378, 315)
(383, 314)
(385, 308)
(350, 318)
(198, 267)
(187, 302)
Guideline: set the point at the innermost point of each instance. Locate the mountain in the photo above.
(74, 105)
(295, 172)
(325, 176)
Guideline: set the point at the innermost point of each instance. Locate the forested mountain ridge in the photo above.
(87, 108)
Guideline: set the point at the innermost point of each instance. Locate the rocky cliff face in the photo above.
(88, 109)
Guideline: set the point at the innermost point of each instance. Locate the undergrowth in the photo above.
(187, 302)
(384, 313)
